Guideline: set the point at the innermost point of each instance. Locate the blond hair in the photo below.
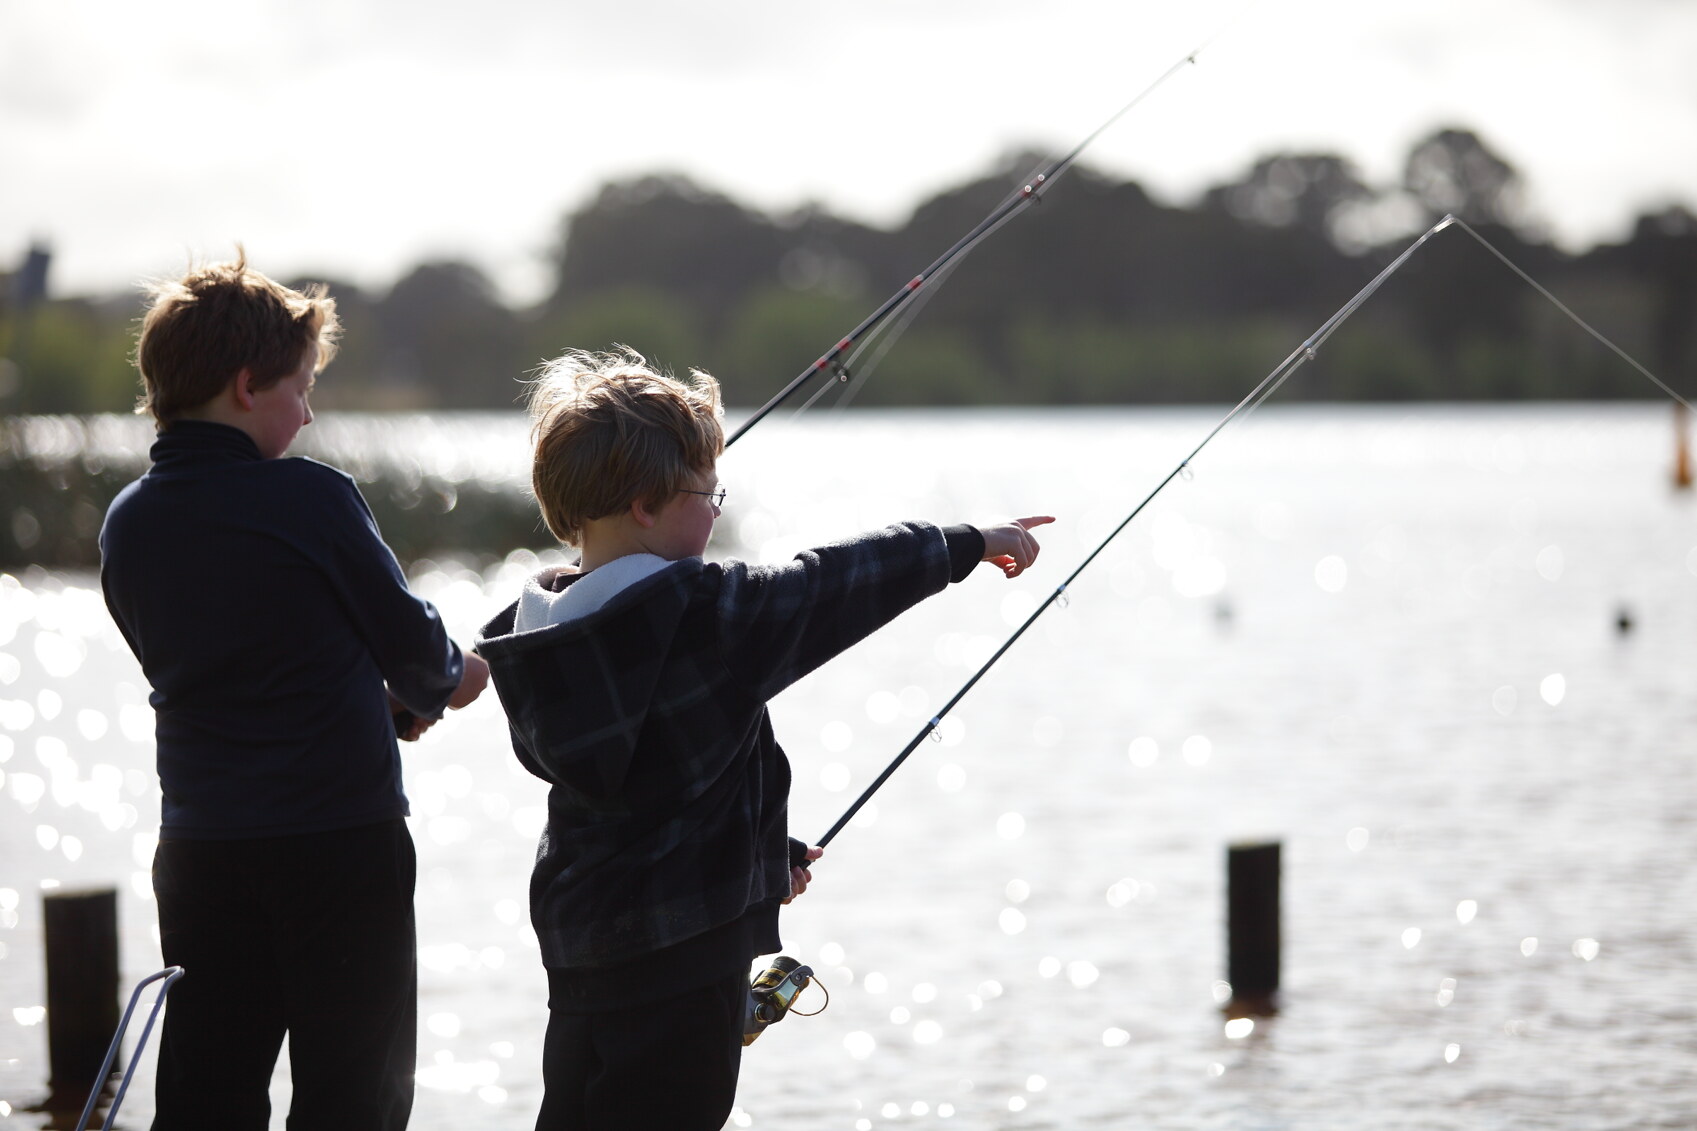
(609, 430)
(201, 330)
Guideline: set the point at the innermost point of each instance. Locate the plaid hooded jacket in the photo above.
(667, 812)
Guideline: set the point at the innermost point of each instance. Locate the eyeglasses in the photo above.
(717, 494)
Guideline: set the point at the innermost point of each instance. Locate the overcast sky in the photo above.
(354, 138)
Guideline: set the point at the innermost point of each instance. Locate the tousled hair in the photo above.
(610, 430)
(218, 319)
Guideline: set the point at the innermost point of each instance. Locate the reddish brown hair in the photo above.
(201, 330)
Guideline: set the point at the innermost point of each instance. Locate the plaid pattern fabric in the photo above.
(667, 813)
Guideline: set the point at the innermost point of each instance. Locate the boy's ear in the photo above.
(642, 514)
(241, 388)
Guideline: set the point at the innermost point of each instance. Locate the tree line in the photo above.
(1101, 295)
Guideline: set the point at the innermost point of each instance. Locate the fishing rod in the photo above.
(1268, 385)
(1030, 193)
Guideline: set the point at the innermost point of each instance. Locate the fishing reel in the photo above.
(772, 993)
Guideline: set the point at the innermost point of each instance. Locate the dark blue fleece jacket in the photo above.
(268, 615)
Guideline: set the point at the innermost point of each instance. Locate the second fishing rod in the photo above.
(837, 359)
(1265, 388)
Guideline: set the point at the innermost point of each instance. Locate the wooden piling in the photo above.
(81, 930)
(1252, 928)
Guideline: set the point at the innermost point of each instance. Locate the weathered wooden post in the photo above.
(1252, 928)
(81, 930)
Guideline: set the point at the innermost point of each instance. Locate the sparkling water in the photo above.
(1445, 655)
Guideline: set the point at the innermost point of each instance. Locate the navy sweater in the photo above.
(268, 615)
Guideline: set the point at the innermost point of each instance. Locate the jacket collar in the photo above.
(200, 441)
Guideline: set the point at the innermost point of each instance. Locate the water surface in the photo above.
(1386, 637)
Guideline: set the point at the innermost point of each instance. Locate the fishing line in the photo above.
(1016, 202)
(1267, 386)
(1563, 307)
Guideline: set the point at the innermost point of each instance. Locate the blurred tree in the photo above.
(77, 358)
(444, 327)
(1453, 171)
(1078, 361)
(1080, 252)
(1643, 295)
(1095, 249)
(657, 325)
(1663, 251)
(667, 233)
(1370, 359)
(1095, 361)
(1456, 296)
(776, 334)
(997, 275)
(1305, 191)
(1101, 294)
(1275, 249)
(830, 255)
(936, 365)
(356, 377)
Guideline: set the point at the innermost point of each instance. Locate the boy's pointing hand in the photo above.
(1011, 546)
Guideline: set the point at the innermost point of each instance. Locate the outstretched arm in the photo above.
(780, 622)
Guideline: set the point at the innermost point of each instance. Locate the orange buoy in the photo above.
(1681, 448)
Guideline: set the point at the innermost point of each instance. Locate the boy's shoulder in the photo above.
(290, 470)
(308, 482)
(295, 495)
(659, 598)
(310, 470)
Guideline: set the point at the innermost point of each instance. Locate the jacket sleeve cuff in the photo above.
(966, 549)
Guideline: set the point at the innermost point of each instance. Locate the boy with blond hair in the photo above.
(636, 686)
(278, 635)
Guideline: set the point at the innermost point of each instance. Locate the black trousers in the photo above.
(671, 1065)
(312, 936)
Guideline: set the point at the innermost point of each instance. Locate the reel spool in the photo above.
(772, 993)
